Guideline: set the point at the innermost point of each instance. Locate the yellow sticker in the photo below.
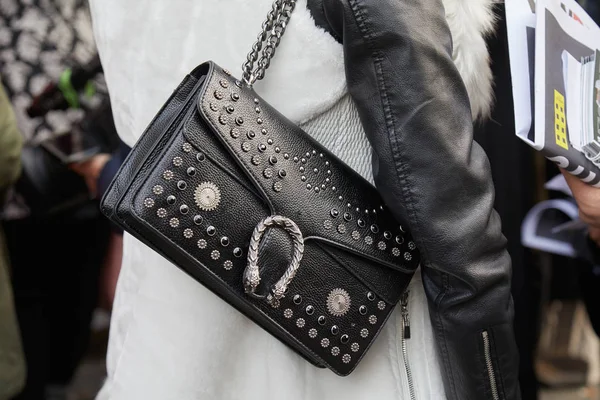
(560, 127)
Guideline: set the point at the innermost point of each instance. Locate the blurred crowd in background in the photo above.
(60, 259)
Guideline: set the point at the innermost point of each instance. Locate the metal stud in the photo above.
(202, 243)
(198, 219)
(235, 133)
(286, 156)
(184, 209)
(213, 107)
(263, 131)
(348, 216)
(228, 265)
(268, 173)
(300, 322)
(395, 251)
(188, 233)
(368, 240)
(218, 95)
(256, 160)
(211, 230)
(224, 84)
(168, 175)
(362, 310)
(381, 245)
(229, 109)
(259, 121)
(327, 224)
(277, 150)
(273, 160)
(237, 252)
(307, 154)
(328, 172)
(157, 190)
(357, 209)
(174, 222)
(239, 120)
(200, 157)
(322, 320)
(148, 202)
(235, 96)
(407, 256)
(297, 299)
(277, 186)
(223, 119)
(387, 235)
(340, 198)
(324, 342)
(251, 135)
(323, 186)
(238, 83)
(171, 200)
(215, 254)
(411, 245)
(191, 171)
(255, 100)
(186, 147)
(344, 338)
(317, 189)
(399, 239)
(341, 229)
(361, 223)
(346, 358)
(295, 159)
(303, 178)
(262, 147)
(371, 296)
(335, 351)
(312, 333)
(257, 109)
(181, 185)
(161, 213)
(354, 347)
(226, 72)
(282, 173)
(316, 170)
(355, 235)
(364, 332)
(303, 161)
(310, 310)
(224, 241)
(288, 313)
(269, 141)
(372, 319)
(308, 186)
(246, 146)
(381, 305)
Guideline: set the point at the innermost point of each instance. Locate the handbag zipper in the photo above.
(490, 366)
(405, 336)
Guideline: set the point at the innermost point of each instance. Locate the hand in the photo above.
(90, 170)
(588, 201)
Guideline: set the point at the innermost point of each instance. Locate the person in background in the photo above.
(588, 246)
(12, 362)
(98, 173)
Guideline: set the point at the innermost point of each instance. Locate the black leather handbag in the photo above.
(256, 210)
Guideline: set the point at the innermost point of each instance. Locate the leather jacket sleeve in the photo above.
(414, 108)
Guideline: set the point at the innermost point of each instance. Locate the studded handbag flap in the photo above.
(252, 207)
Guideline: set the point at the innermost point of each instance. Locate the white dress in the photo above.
(170, 337)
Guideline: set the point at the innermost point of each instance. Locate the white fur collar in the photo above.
(470, 21)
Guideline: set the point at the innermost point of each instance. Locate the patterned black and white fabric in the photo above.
(39, 39)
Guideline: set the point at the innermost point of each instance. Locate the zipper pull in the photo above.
(405, 318)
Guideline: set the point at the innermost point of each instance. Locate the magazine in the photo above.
(556, 81)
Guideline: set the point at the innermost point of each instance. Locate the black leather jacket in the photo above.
(415, 110)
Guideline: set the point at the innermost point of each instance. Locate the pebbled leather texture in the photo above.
(415, 111)
(225, 161)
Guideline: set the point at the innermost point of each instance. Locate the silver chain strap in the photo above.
(272, 31)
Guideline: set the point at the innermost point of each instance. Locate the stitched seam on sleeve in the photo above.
(402, 170)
